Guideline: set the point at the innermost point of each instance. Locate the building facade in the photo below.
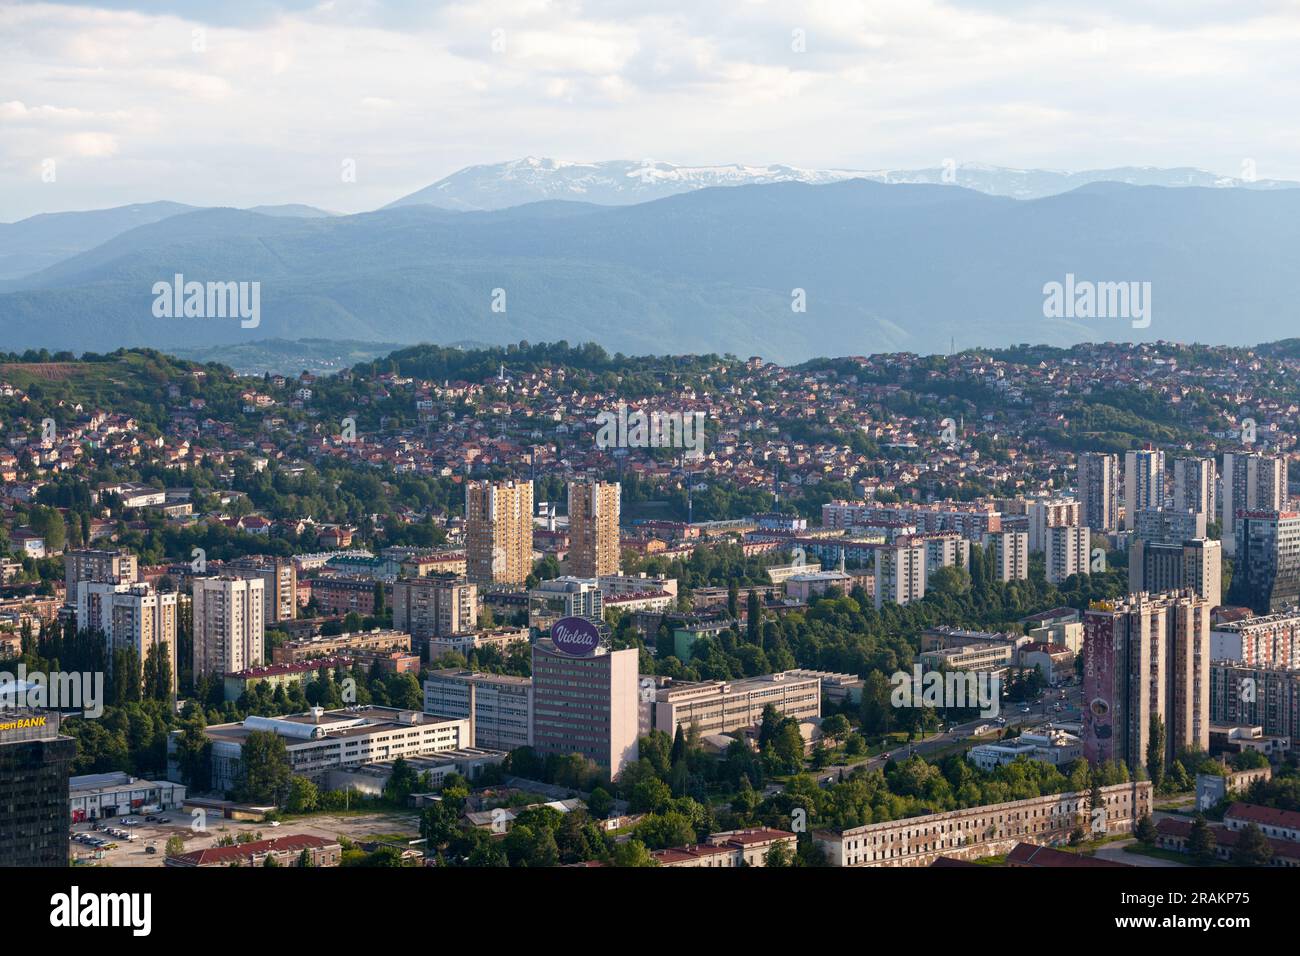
(228, 626)
(594, 508)
(586, 705)
(498, 531)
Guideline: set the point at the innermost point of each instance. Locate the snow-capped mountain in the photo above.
(623, 182)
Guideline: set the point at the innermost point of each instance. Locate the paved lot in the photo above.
(360, 826)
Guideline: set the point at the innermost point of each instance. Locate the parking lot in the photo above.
(123, 851)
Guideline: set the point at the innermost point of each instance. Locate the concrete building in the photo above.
(99, 566)
(593, 528)
(1053, 746)
(586, 705)
(498, 531)
(1069, 551)
(229, 629)
(1051, 513)
(802, 587)
(720, 707)
(1194, 486)
(319, 741)
(1253, 696)
(984, 831)
(98, 796)
(1266, 572)
(499, 707)
(279, 585)
(434, 607)
(564, 597)
(1098, 481)
(900, 572)
(1197, 563)
(501, 640)
(1251, 482)
(1146, 658)
(375, 641)
(1271, 641)
(1144, 482)
(1009, 551)
(133, 617)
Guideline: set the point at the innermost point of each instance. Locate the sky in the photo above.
(350, 104)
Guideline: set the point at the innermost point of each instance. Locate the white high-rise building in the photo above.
(1251, 482)
(229, 626)
(1144, 483)
(1069, 551)
(1194, 485)
(130, 615)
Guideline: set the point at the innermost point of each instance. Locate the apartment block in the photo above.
(1069, 551)
(1251, 482)
(1098, 481)
(1146, 658)
(498, 531)
(229, 629)
(131, 616)
(1009, 551)
(593, 528)
(428, 608)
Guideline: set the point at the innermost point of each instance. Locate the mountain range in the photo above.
(879, 267)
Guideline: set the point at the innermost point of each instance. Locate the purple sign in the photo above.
(575, 636)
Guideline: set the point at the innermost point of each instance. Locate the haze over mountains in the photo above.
(882, 265)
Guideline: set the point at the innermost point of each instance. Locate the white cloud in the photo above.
(280, 93)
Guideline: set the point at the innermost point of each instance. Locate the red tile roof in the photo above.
(219, 855)
(1264, 816)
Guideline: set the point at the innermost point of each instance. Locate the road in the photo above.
(1039, 713)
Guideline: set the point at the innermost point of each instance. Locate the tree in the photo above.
(1146, 829)
(778, 855)
(600, 803)
(175, 846)
(1200, 841)
(303, 795)
(1156, 753)
(631, 853)
(264, 770)
(1253, 848)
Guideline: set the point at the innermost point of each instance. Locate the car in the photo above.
(151, 849)
(274, 823)
(151, 819)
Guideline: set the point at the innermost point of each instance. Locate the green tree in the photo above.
(264, 770)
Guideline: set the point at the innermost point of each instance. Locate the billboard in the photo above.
(575, 636)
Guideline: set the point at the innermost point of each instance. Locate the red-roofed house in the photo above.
(285, 850)
(730, 848)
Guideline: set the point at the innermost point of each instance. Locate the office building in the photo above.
(593, 528)
(1098, 481)
(1266, 569)
(723, 707)
(1251, 482)
(99, 796)
(498, 531)
(35, 760)
(427, 608)
(565, 597)
(1144, 482)
(1194, 486)
(1146, 658)
(1156, 567)
(1009, 552)
(228, 626)
(586, 705)
(319, 741)
(1069, 551)
(134, 617)
(499, 707)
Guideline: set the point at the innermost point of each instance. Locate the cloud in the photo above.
(263, 102)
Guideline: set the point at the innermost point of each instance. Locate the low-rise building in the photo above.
(289, 850)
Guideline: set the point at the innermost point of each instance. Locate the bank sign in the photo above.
(575, 636)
